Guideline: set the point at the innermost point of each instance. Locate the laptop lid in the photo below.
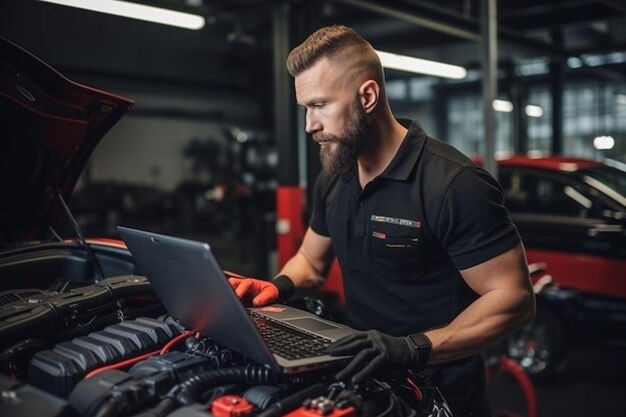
(192, 286)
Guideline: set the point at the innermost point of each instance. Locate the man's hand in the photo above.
(260, 292)
(374, 350)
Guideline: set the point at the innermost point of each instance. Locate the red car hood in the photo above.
(48, 125)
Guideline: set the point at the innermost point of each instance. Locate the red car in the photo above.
(571, 213)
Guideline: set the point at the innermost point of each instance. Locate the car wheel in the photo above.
(540, 346)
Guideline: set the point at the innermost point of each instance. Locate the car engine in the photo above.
(109, 349)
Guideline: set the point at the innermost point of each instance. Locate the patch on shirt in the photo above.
(396, 221)
(379, 235)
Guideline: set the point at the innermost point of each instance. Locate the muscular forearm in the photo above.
(488, 319)
(305, 276)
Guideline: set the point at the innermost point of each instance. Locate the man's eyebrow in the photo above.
(313, 101)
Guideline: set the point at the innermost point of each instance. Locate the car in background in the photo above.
(571, 214)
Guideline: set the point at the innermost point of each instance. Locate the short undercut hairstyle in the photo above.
(339, 44)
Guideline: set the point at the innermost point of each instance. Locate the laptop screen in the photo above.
(193, 288)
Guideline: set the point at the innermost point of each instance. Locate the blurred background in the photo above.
(215, 149)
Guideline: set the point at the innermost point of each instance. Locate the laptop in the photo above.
(192, 286)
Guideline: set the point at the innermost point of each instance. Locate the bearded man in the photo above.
(433, 268)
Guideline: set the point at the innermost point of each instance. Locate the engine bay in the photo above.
(108, 348)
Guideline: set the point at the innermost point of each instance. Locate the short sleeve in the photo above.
(318, 214)
(473, 225)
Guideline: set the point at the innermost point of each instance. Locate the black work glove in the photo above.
(374, 350)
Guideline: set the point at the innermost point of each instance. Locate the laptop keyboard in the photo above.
(287, 342)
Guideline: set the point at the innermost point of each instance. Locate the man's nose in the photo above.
(312, 124)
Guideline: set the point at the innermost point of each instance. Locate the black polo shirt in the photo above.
(402, 240)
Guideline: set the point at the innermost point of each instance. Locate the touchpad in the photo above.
(311, 324)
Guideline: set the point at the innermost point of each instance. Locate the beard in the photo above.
(340, 152)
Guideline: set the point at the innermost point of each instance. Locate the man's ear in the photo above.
(369, 94)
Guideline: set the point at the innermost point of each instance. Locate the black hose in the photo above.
(294, 401)
(109, 408)
(192, 389)
(20, 347)
(163, 408)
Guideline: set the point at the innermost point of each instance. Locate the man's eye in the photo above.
(319, 105)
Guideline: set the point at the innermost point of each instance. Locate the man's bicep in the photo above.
(506, 303)
(509, 270)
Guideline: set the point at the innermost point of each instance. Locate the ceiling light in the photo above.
(533, 110)
(621, 98)
(421, 66)
(533, 67)
(574, 62)
(506, 106)
(503, 106)
(603, 142)
(137, 11)
(594, 60)
(616, 57)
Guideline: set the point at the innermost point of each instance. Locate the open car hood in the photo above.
(49, 126)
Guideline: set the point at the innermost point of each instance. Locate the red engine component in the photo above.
(230, 406)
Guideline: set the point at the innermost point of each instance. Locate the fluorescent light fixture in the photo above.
(602, 143)
(621, 98)
(503, 106)
(421, 66)
(137, 11)
(533, 110)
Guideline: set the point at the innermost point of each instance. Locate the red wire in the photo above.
(134, 360)
(122, 364)
(174, 341)
(418, 392)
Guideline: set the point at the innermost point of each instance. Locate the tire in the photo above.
(539, 347)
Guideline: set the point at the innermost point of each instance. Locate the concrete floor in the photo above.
(593, 384)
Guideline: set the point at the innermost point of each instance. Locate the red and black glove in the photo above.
(260, 292)
(373, 352)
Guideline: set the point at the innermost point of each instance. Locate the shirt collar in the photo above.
(410, 150)
(405, 158)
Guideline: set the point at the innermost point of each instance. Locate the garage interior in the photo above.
(215, 132)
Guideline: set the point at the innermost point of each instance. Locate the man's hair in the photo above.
(340, 44)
